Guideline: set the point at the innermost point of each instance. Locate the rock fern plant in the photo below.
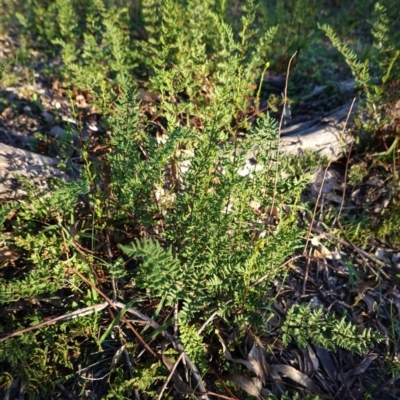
(214, 240)
(209, 244)
(374, 77)
(211, 231)
(306, 325)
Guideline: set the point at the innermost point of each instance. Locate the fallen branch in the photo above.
(326, 136)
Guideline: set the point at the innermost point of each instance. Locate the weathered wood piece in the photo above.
(328, 136)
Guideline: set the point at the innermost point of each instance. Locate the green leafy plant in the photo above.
(325, 330)
(230, 250)
(359, 69)
(193, 344)
(373, 82)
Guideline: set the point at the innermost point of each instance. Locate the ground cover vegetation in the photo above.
(171, 266)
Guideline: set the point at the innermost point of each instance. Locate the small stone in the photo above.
(56, 131)
(85, 134)
(396, 258)
(93, 127)
(48, 116)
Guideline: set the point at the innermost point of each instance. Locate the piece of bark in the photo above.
(328, 136)
(37, 169)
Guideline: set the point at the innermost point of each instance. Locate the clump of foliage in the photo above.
(212, 245)
(305, 325)
(217, 245)
(377, 78)
(297, 26)
(374, 77)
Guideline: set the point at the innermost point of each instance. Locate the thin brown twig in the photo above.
(344, 182)
(66, 317)
(259, 280)
(177, 345)
(109, 254)
(112, 304)
(361, 252)
(316, 206)
(211, 317)
(171, 373)
(138, 336)
(123, 318)
(306, 272)
(347, 162)
(217, 395)
(364, 255)
(221, 381)
(173, 369)
(280, 129)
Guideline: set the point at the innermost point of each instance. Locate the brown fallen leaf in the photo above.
(229, 357)
(252, 387)
(257, 358)
(325, 359)
(351, 375)
(180, 385)
(277, 371)
(7, 256)
(313, 358)
(370, 302)
(144, 95)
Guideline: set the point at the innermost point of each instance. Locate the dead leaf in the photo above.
(326, 362)
(323, 252)
(320, 250)
(7, 255)
(117, 357)
(146, 96)
(362, 367)
(285, 370)
(80, 101)
(252, 387)
(350, 376)
(180, 386)
(308, 367)
(257, 358)
(370, 302)
(167, 362)
(312, 357)
(229, 357)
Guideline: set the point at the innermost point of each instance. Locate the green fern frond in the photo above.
(384, 43)
(360, 70)
(304, 325)
(193, 345)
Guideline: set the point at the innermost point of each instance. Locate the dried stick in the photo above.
(66, 317)
(316, 206)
